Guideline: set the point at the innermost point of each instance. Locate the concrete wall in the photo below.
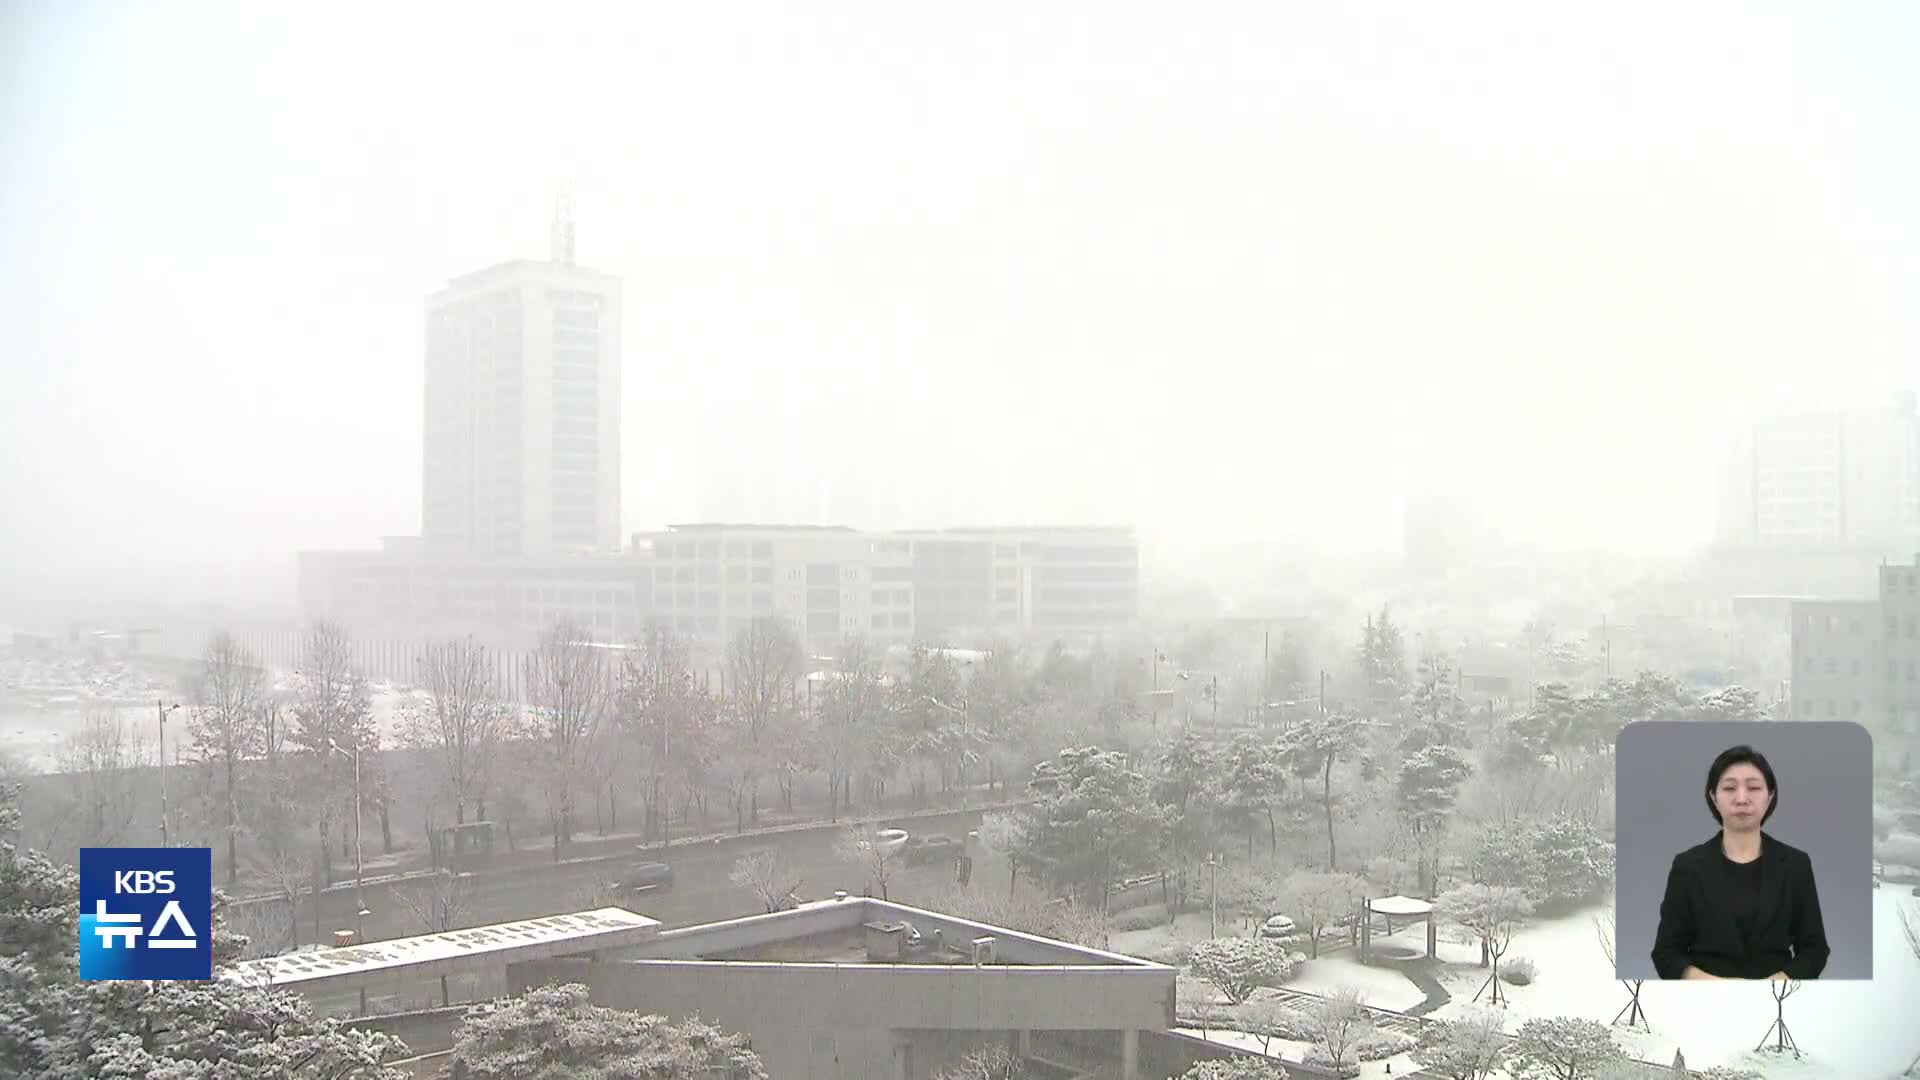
(426, 1031)
(853, 1020)
(826, 917)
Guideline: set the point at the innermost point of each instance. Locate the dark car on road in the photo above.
(932, 848)
(646, 877)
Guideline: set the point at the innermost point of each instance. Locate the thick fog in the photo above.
(1230, 273)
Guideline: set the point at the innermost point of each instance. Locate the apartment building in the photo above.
(1860, 660)
(1824, 479)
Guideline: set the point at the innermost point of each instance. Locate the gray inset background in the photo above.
(1825, 808)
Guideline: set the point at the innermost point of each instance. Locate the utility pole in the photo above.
(1213, 896)
(165, 832)
(1323, 691)
(1214, 693)
(1266, 669)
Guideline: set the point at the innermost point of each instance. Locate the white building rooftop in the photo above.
(452, 951)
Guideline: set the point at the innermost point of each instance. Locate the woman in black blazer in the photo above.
(1742, 905)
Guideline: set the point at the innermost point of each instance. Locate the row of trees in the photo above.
(608, 729)
(55, 1027)
(1099, 815)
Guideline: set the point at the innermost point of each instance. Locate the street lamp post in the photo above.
(163, 710)
(359, 865)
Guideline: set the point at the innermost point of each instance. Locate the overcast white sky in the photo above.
(1252, 269)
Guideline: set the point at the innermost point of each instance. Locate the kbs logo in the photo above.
(146, 913)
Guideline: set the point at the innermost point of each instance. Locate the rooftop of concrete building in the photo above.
(958, 530)
(850, 930)
(855, 930)
(514, 267)
(555, 935)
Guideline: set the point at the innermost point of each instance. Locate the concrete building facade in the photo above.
(1829, 478)
(843, 989)
(1860, 660)
(521, 453)
(707, 582)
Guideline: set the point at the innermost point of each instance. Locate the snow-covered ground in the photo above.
(1859, 1030)
(1383, 988)
(1863, 1029)
(34, 736)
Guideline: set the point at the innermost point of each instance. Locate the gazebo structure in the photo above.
(1404, 908)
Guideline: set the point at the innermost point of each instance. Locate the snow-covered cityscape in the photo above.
(872, 543)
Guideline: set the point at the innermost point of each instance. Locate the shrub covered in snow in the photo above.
(1381, 1045)
(1239, 966)
(1348, 1067)
(1235, 1069)
(1519, 971)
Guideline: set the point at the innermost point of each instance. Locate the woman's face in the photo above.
(1742, 796)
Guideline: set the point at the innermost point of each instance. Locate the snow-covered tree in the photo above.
(1426, 791)
(763, 661)
(1316, 899)
(1491, 913)
(227, 725)
(1314, 748)
(767, 877)
(1630, 1014)
(1252, 784)
(555, 1031)
(332, 707)
(102, 762)
(1733, 703)
(1238, 966)
(1251, 891)
(860, 848)
(1092, 821)
(570, 687)
(1382, 659)
(1562, 1048)
(1573, 862)
(55, 1027)
(1336, 1021)
(1184, 786)
(460, 724)
(1468, 1048)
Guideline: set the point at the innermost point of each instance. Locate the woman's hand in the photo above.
(1695, 973)
(1779, 976)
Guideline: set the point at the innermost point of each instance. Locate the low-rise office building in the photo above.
(708, 581)
(848, 988)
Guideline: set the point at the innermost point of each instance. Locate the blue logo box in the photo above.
(146, 913)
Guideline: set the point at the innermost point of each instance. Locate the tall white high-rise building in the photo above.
(1830, 478)
(522, 439)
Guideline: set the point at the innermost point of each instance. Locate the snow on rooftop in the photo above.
(600, 928)
(1400, 906)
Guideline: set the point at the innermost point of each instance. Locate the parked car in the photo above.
(1278, 926)
(646, 877)
(932, 848)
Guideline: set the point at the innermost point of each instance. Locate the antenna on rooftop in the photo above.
(563, 227)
